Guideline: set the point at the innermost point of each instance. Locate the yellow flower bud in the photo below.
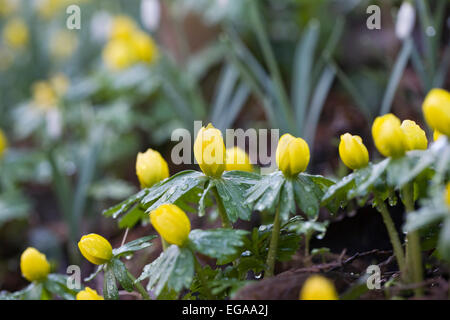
(44, 96)
(122, 27)
(34, 265)
(353, 152)
(292, 155)
(144, 46)
(151, 168)
(171, 223)
(447, 195)
(95, 248)
(436, 135)
(16, 33)
(209, 151)
(416, 139)
(3, 143)
(436, 110)
(88, 294)
(60, 84)
(237, 159)
(62, 44)
(118, 54)
(318, 288)
(388, 136)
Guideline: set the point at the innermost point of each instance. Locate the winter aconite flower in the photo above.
(388, 136)
(416, 139)
(128, 45)
(436, 110)
(16, 33)
(171, 223)
(353, 152)
(209, 151)
(151, 168)
(88, 294)
(44, 96)
(34, 265)
(292, 155)
(3, 143)
(318, 288)
(95, 248)
(237, 159)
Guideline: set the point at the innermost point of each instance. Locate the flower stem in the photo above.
(413, 248)
(393, 236)
(222, 212)
(139, 287)
(273, 248)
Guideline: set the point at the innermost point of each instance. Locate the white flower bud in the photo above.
(405, 20)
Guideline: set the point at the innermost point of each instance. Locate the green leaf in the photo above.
(444, 240)
(376, 171)
(232, 196)
(308, 195)
(223, 244)
(287, 201)
(308, 227)
(110, 290)
(172, 189)
(265, 194)
(94, 274)
(201, 203)
(133, 246)
(126, 205)
(173, 268)
(57, 285)
(121, 274)
(131, 218)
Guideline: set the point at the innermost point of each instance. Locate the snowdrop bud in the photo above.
(405, 20)
(150, 14)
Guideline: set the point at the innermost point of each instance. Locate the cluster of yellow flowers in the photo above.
(46, 94)
(394, 138)
(128, 45)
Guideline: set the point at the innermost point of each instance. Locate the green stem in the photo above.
(203, 280)
(273, 248)
(413, 248)
(164, 244)
(393, 236)
(222, 212)
(139, 287)
(307, 256)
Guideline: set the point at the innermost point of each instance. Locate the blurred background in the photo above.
(77, 105)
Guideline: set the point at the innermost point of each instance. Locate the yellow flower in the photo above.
(88, 294)
(171, 223)
(16, 33)
(318, 288)
(118, 54)
(62, 44)
(144, 46)
(151, 168)
(122, 27)
(3, 143)
(292, 155)
(95, 248)
(8, 7)
(34, 265)
(209, 151)
(388, 136)
(44, 96)
(436, 135)
(436, 110)
(60, 84)
(416, 139)
(447, 194)
(237, 159)
(353, 152)
(48, 8)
